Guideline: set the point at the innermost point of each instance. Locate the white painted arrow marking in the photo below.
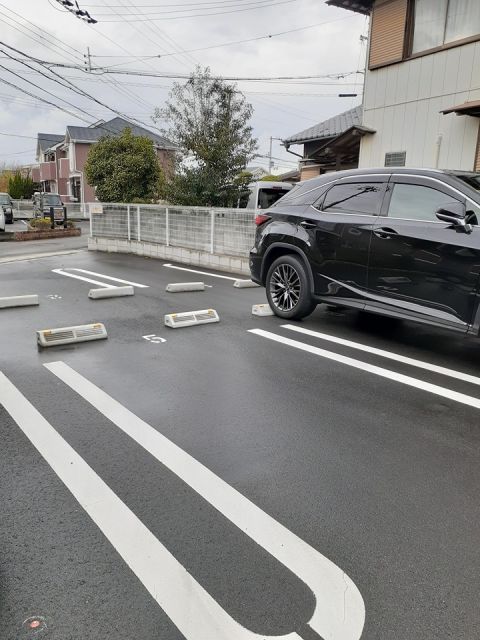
(340, 611)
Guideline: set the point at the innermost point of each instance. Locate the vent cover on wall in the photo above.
(395, 159)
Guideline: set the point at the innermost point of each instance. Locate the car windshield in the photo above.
(52, 199)
(472, 179)
(4, 199)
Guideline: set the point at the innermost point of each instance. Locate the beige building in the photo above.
(422, 83)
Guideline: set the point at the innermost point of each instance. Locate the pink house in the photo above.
(62, 157)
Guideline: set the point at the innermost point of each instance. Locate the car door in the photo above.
(337, 230)
(419, 266)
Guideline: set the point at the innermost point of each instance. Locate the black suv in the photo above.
(399, 242)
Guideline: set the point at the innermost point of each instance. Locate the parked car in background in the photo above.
(263, 194)
(6, 205)
(44, 202)
(397, 242)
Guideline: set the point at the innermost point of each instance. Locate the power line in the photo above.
(176, 4)
(56, 106)
(72, 86)
(46, 39)
(49, 39)
(201, 15)
(38, 86)
(235, 42)
(257, 4)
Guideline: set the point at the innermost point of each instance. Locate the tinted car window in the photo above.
(303, 193)
(52, 199)
(414, 202)
(268, 197)
(361, 197)
(472, 179)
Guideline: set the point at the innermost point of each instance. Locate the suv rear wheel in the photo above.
(288, 290)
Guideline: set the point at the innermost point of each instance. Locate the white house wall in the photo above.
(403, 102)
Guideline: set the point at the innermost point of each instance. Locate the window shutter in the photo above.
(477, 155)
(387, 35)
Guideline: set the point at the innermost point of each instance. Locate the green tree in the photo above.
(208, 120)
(124, 168)
(269, 178)
(20, 186)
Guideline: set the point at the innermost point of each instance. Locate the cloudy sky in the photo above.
(321, 41)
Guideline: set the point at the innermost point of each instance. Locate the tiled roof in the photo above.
(114, 127)
(361, 6)
(47, 140)
(329, 128)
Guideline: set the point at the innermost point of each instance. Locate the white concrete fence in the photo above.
(212, 237)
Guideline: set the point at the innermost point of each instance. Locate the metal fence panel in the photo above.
(234, 231)
(189, 228)
(218, 230)
(152, 223)
(112, 223)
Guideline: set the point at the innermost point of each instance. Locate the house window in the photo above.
(439, 22)
(396, 159)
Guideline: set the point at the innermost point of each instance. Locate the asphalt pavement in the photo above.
(237, 480)
(19, 249)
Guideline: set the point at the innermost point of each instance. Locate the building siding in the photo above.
(403, 103)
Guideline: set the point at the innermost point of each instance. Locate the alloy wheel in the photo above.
(285, 287)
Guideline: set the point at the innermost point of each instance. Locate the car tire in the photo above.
(288, 288)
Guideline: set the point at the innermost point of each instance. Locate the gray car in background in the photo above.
(6, 205)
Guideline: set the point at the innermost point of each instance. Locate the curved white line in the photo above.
(339, 612)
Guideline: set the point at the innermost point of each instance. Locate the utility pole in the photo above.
(87, 60)
(270, 161)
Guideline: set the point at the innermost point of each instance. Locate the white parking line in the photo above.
(196, 614)
(38, 256)
(72, 275)
(444, 392)
(339, 613)
(102, 275)
(203, 273)
(386, 354)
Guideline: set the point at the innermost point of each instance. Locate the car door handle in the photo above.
(384, 233)
(306, 224)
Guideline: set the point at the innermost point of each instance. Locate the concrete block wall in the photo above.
(230, 264)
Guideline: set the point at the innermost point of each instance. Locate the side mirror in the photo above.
(454, 213)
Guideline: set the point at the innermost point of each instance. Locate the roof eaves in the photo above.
(359, 6)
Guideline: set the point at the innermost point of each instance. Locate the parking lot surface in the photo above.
(252, 478)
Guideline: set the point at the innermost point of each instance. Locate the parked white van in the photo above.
(264, 193)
